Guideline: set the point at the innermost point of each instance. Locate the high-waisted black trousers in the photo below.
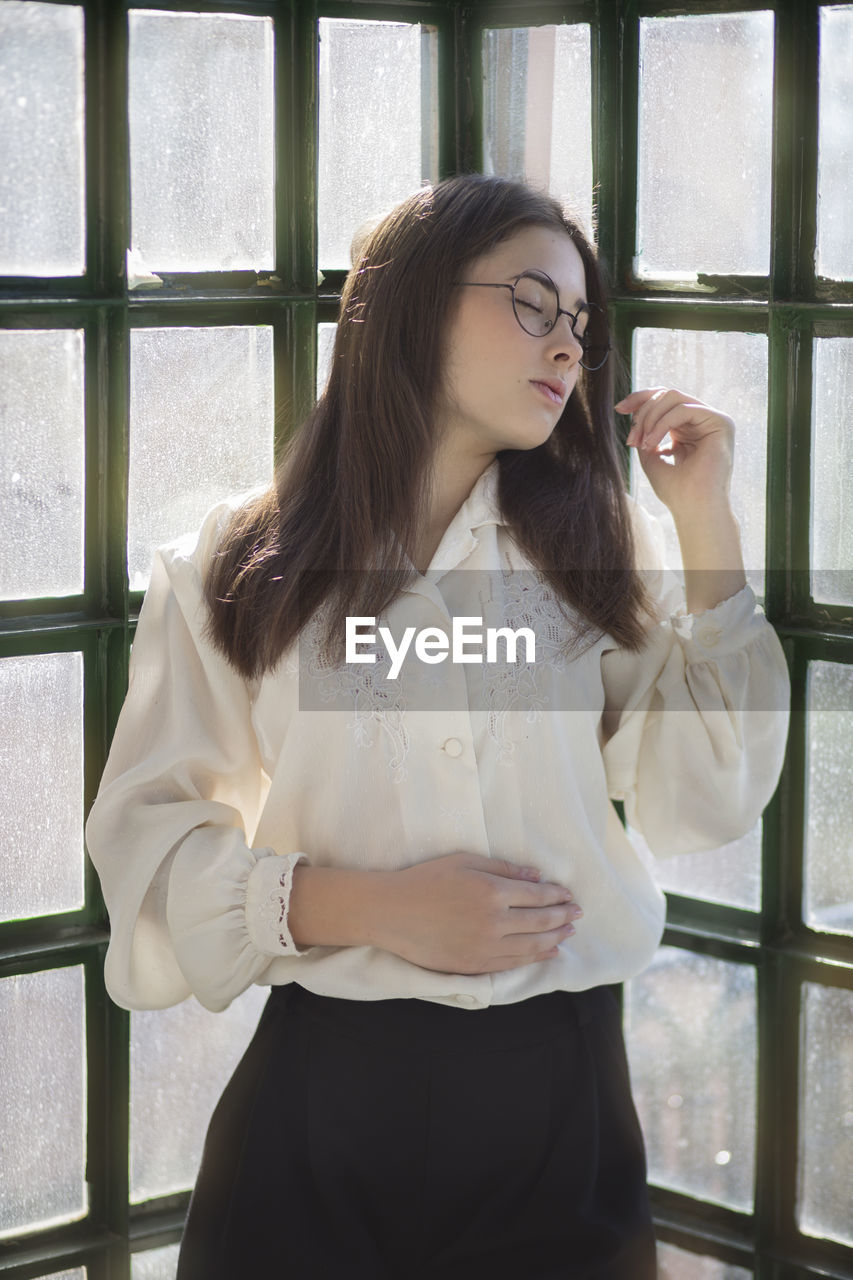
(405, 1140)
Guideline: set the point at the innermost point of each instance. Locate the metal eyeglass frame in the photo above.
(541, 277)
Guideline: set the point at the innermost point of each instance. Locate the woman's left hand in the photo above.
(695, 470)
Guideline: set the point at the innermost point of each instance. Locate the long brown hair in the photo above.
(358, 471)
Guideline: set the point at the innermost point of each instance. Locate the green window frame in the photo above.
(791, 306)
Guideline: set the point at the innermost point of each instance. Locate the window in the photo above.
(170, 260)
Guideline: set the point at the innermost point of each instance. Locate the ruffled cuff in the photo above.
(728, 627)
(267, 901)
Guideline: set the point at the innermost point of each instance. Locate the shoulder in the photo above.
(192, 552)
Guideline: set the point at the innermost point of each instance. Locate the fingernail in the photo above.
(567, 929)
(578, 912)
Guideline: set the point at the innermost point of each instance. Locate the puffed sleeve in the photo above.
(695, 725)
(193, 908)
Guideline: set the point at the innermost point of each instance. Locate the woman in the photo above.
(397, 846)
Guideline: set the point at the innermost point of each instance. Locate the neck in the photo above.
(453, 478)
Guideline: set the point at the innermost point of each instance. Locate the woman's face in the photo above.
(504, 388)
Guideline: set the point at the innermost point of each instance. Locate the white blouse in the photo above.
(216, 787)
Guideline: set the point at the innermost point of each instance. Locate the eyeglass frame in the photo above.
(561, 311)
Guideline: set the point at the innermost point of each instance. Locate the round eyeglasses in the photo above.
(536, 306)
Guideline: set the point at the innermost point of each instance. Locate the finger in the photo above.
(549, 894)
(502, 867)
(529, 920)
(686, 423)
(530, 944)
(649, 415)
(632, 402)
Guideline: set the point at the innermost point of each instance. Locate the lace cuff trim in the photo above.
(267, 903)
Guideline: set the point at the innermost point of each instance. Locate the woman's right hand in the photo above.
(465, 913)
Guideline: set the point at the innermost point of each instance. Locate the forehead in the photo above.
(536, 248)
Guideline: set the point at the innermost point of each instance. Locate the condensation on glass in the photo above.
(705, 145)
(201, 429)
(41, 784)
(155, 1264)
(826, 1102)
(835, 144)
(829, 798)
(42, 1100)
(42, 148)
(728, 371)
(730, 874)
(690, 1024)
(535, 80)
(832, 470)
(202, 165)
(679, 1264)
(325, 344)
(180, 1061)
(378, 127)
(42, 462)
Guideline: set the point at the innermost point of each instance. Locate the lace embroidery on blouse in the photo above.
(273, 911)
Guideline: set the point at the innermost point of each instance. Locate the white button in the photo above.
(453, 747)
(467, 1001)
(709, 636)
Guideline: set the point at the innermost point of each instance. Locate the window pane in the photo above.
(832, 469)
(829, 799)
(826, 1134)
(41, 467)
(180, 1061)
(534, 80)
(835, 144)
(41, 784)
(201, 113)
(156, 1264)
(705, 144)
(730, 874)
(371, 74)
(325, 344)
(42, 161)
(678, 1264)
(193, 438)
(79, 1273)
(729, 371)
(42, 1099)
(691, 1035)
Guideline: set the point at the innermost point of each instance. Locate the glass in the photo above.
(679, 1264)
(690, 1026)
(155, 1264)
(705, 145)
(730, 874)
(834, 256)
(41, 463)
(42, 1100)
(536, 306)
(829, 798)
(202, 156)
(325, 346)
(41, 785)
(42, 149)
(832, 470)
(193, 439)
(79, 1273)
(729, 371)
(826, 1130)
(534, 80)
(180, 1061)
(372, 75)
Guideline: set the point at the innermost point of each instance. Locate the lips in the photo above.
(553, 388)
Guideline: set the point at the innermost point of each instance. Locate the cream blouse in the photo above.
(215, 788)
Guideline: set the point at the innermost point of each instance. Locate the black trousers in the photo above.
(404, 1140)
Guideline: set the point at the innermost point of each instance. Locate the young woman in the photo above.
(438, 1085)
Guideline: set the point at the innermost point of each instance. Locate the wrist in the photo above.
(337, 907)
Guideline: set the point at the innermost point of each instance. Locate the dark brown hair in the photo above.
(357, 472)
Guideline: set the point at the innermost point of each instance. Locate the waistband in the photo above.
(422, 1024)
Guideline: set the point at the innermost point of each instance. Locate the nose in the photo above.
(563, 342)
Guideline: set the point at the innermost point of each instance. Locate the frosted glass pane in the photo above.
(201, 113)
(730, 874)
(325, 344)
(41, 784)
(42, 1100)
(180, 1061)
(535, 79)
(41, 462)
(691, 1036)
(679, 1264)
(79, 1273)
(201, 427)
(42, 161)
(728, 371)
(378, 124)
(835, 144)
(832, 471)
(705, 144)
(156, 1264)
(826, 1134)
(829, 799)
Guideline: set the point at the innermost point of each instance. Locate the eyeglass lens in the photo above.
(536, 302)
